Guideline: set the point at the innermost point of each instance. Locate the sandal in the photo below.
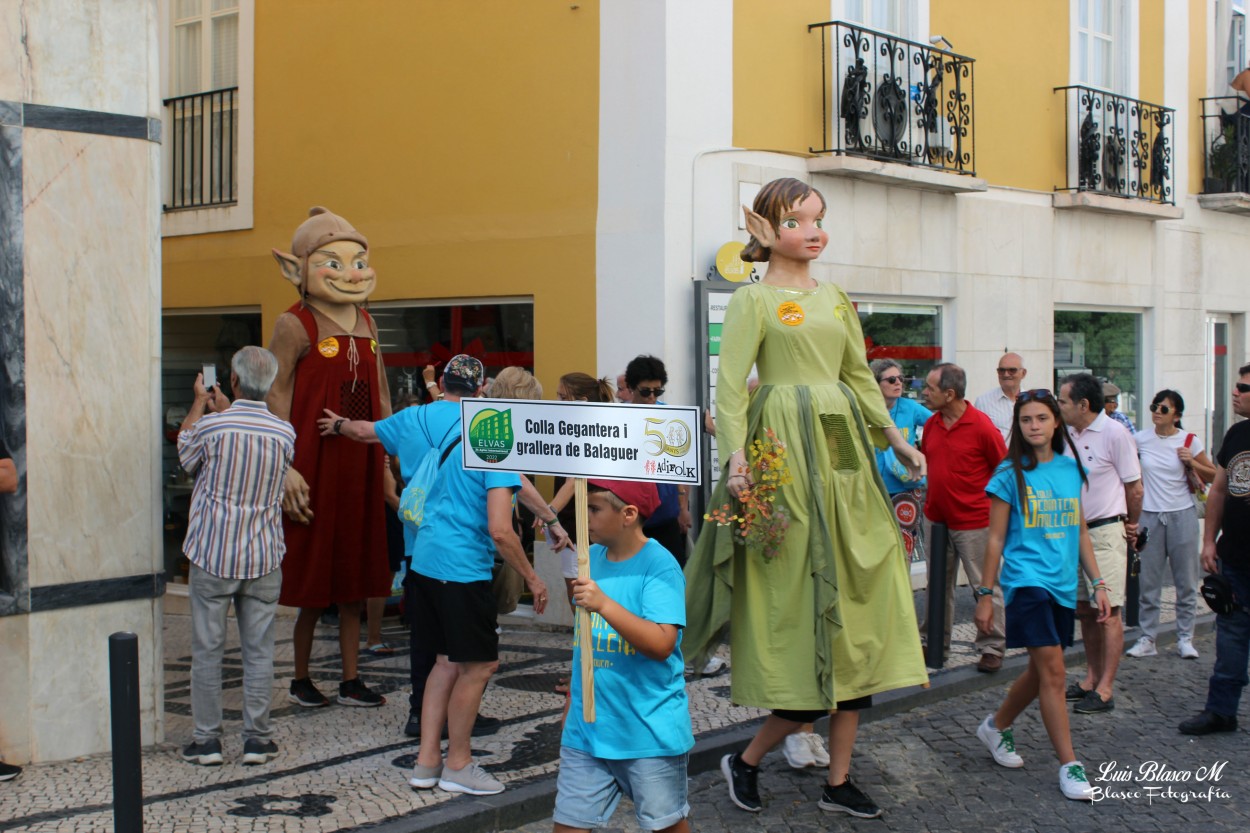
(382, 649)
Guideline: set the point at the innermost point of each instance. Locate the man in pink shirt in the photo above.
(963, 448)
(1111, 501)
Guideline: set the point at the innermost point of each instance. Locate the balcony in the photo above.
(1119, 155)
(1226, 154)
(895, 111)
(202, 156)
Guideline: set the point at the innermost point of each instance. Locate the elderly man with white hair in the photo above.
(239, 455)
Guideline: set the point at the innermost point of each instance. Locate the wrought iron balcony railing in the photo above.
(1226, 145)
(887, 98)
(204, 135)
(1118, 146)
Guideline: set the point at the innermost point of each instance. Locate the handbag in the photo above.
(1197, 489)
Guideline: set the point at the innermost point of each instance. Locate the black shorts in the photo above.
(1035, 620)
(456, 619)
(857, 704)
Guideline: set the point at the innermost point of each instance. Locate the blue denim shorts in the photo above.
(1035, 620)
(589, 788)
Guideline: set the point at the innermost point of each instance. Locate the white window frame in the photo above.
(1235, 62)
(223, 217)
(1125, 48)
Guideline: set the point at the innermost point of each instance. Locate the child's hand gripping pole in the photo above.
(583, 615)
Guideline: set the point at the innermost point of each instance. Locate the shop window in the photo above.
(188, 342)
(1106, 344)
(910, 334)
(500, 334)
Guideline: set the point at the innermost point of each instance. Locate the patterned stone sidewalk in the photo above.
(344, 769)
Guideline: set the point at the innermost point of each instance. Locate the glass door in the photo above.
(1218, 396)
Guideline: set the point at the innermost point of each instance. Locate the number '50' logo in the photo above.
(672, 437)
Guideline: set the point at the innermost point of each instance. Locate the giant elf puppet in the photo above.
(328, 357)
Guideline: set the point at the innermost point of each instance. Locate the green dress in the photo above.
(831, 618)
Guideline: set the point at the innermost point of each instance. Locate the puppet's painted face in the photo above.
(800, 230)
(339, 273)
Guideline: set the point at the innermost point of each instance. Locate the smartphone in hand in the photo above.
(210, 376)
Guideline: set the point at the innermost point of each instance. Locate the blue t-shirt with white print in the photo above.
(641, 709)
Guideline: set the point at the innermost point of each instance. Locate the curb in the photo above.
(533, 801)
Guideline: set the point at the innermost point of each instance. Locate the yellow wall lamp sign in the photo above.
(731, 267)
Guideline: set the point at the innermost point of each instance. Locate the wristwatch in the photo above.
(983, 591)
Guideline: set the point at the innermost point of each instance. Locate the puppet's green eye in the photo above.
(820, 223)
(790, 223)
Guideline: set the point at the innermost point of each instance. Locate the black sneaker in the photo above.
(304, 693)
(8, 772)
(257, 751)
(848, 798)
(1094, 704)
(413, 727)
(207, 753)
(482, 725)
(743, 780)
(1074, 693)
(355, 693)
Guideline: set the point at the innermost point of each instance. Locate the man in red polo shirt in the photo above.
(963, 448)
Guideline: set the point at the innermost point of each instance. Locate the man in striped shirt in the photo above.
(239, 455)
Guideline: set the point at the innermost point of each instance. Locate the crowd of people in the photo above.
(1034, 488)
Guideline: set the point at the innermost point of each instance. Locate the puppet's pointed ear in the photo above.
(760, 229)
(290, 267)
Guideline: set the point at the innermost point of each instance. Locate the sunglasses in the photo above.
(1242, 387)
(1035, 395)
(1156, 408)
(1008, 371)
(890, 379)
(644, 392)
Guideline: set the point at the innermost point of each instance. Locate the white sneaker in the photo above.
(1001, 743)
(715, 667)
(1145, 647)
(472, 780)
(817, 745)
(798, 753)
(1186, 649)
(1073, 783)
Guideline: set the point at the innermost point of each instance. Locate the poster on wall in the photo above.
(654, 443)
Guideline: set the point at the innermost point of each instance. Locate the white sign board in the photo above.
(656, 443)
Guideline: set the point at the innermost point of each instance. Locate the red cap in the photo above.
(642, 496)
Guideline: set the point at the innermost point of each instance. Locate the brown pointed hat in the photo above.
(320, 228)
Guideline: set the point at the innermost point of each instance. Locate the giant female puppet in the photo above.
(328, 357)
(823, 615)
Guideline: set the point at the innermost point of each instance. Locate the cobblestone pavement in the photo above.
(344, 769)
(928, 771)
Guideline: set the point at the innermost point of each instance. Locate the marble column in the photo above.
(79, 368)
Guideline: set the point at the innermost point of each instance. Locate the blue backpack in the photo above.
(416, 493)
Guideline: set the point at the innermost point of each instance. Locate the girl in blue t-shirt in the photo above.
(1038, 532)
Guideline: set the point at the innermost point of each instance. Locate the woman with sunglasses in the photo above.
(1168, 453)
(1038, 533)
(908, 416)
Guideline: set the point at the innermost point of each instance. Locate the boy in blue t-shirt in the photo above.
(638, 743)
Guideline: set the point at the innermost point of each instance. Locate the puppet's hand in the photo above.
(295, 498)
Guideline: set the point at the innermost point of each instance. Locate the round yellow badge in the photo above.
(328, 347)
(790, 314)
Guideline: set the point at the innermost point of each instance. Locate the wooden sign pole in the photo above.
(583, 615)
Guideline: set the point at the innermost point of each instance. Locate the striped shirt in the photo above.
(240, 459)
(998, 407)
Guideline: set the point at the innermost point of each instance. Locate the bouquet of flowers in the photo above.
(758, 521)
